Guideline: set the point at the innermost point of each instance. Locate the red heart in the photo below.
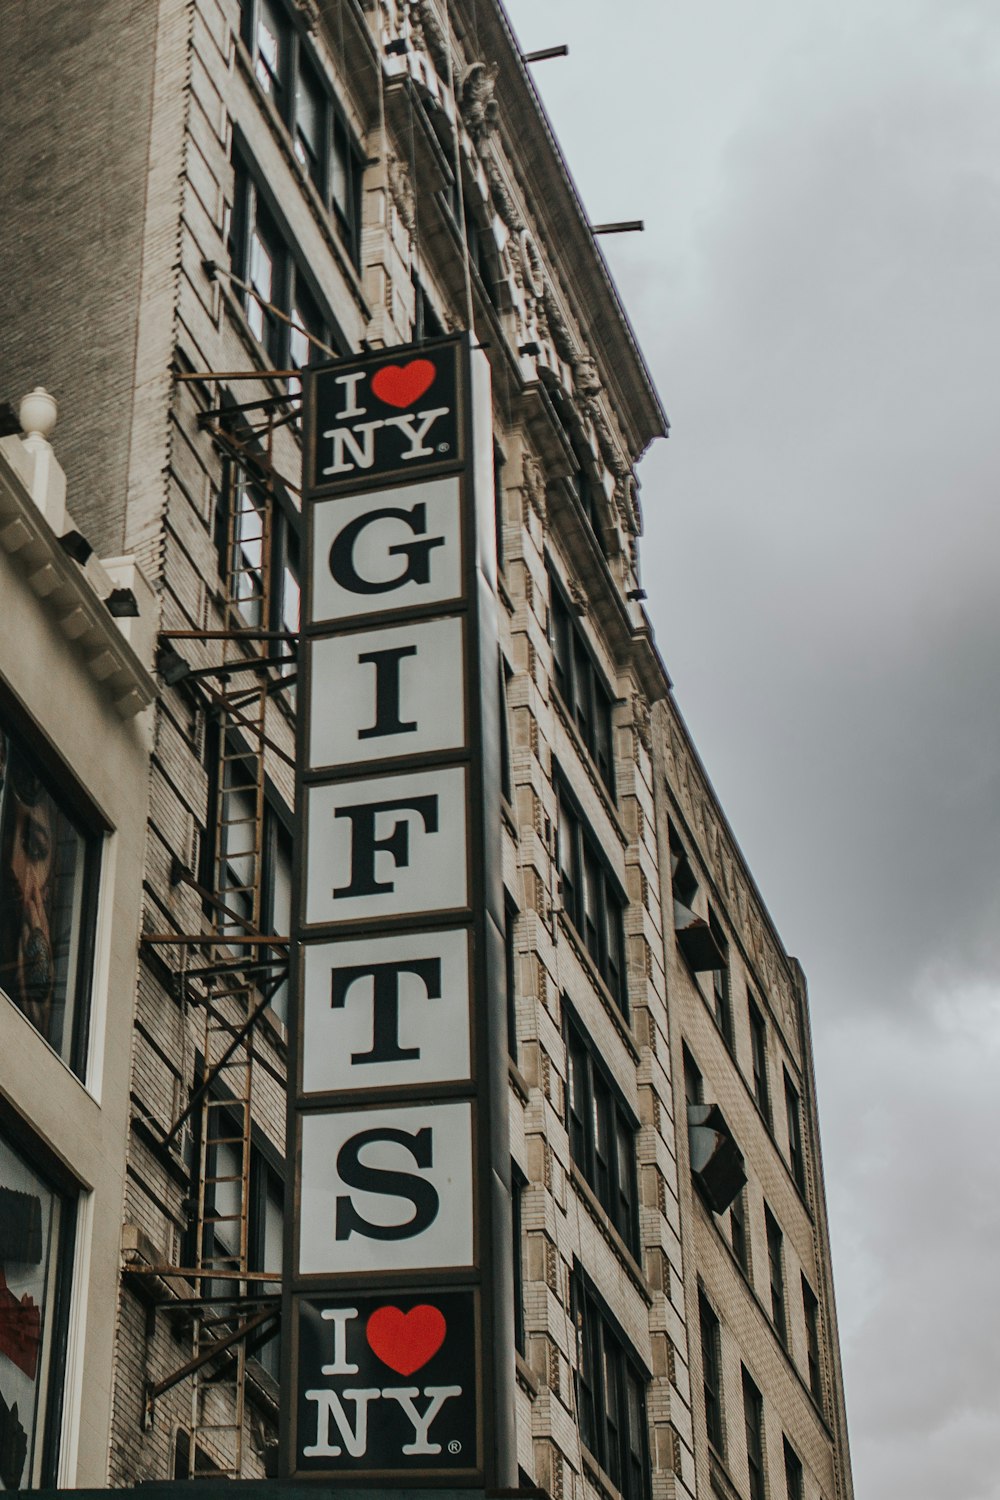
(401, 385)
(405, 1341)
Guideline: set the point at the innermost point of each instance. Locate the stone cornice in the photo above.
(64, 590)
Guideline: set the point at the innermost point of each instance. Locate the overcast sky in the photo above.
(817, 295)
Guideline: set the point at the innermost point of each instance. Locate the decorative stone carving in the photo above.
(309, 11)
(534, 271)
(502, 200)
(430, 35)
(534, 485)
(585, 376)
(479, 108)
(641, 722)
(401, 189)
(578, 597)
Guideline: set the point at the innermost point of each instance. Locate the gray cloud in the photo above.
(818, 293)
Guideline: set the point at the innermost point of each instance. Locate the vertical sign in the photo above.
(397, 1328)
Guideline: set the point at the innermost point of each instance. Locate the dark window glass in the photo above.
(265, 1238)
(517, 1185)
(793, 1112)
(601, 1134)
(711, 1367)
(683, 882)
(580, 685)
(48, 884)
(611, 1395)
(270, 49)
(793, 1473)
(720, 983)
(694, 1085)
(36, 1248)
(753, 1412)
(503, 681)
(776, 1274)
(738, 1230)
(498, 502)
(591, 899)
(758, 1049)
(810, 1307)
(510, 975)
(426, 323)
(310, 121)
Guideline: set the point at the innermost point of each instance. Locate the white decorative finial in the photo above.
(37, 413)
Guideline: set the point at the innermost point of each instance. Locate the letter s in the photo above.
(355, 1174)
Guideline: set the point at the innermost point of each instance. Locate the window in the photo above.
(48, 894)
(265, 1232)
(258, 546)
(793, 1472)
(36, 1252)
(711, 1371)
(810, 1307)
(683, 881)
(796, 1159)
(601, 1134)
(262, 257)
(694, 1084)
(518, 1183)
(753, 1415)
(758, 1050)
(510, 975)
(738, 1230)
(591, 899)
(498, 502)
(776, 1274)
(287, 70)
(610, 1394)
(581, 686)
(232, 868)
(721, 1007)
(503, 684)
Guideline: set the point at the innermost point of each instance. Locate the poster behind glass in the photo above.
(42, 869)
(31, 1223)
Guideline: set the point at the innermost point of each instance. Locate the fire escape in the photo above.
(230, 970)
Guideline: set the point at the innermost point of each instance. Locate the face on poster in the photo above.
(386, 846)
(386, 1189)
(386, 1011)
(398, 692)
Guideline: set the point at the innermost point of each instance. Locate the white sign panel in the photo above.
(386, 1189)
(387, 550)
(386, 846)
(386, 1010)
(387, 692)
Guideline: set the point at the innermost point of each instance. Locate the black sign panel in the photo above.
(391, 414)
(387, 1383)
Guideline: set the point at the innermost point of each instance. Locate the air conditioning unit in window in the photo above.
(696, 940)
(716, 1160)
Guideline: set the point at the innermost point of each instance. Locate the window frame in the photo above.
(601, 1346)
(722, 1007)
(794, 1480)
(758, 1054)
(71, 803)
(776, 1275)
(710, 1332)
(581, 685)
(338, 145)
(42, 1459)
(814, 1363)
(739, 1236)
(793, 1117)
(579, 900)
(753, 1421)
(601, 1162)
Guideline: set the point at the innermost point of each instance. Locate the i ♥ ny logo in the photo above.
(388, 1385)
(386, 416)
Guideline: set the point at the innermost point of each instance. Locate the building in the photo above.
(259, 184)
(75, 688)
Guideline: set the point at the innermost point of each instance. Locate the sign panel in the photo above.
(386, 1011)
(399, 1360)
(394, 1378)
(386, 1189)
(386, 550)
(398, 692)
